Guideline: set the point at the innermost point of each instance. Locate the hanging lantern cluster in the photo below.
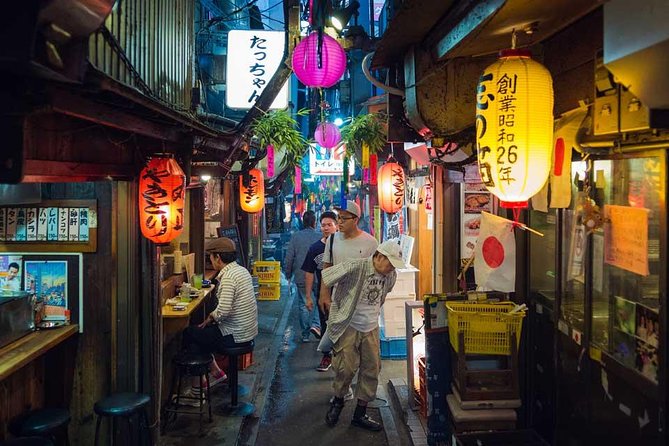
(252, 191)
(514, 127)
(391, 184)
(162, 187)
(327, 135)
(319, 61)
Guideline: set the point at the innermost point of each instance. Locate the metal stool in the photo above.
(50, 423)
(125, 405)
(188, 365)
(236, 408)
(28, 441)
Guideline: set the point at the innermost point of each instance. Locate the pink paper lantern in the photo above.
(317, 72)
(327, 135)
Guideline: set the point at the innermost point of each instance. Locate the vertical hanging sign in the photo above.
(52, 224)
(257, 55)
(270, 161)
(3, 224)
(63, 214)
(298, 180)
(31, 224)
(373, 172)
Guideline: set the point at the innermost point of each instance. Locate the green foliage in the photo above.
(279, 128)
(369, 128)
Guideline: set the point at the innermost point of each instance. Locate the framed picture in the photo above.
(47, 280)
(11, 272)
(625, 316)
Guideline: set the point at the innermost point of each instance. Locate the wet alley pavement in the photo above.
(290, 396)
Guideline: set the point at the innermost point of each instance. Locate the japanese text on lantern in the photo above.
(158, 201)
(506, 150)
(251, 192)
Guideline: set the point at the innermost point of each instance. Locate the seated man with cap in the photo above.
(235, 319)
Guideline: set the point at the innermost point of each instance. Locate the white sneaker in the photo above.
(189, 397)
(347, 397)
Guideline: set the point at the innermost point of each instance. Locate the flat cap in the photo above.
(220, 244)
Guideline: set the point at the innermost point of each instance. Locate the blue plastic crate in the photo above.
(393, 348)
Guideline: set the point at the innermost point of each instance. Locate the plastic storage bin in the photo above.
(269, 291)
(487, 326)
(392, 348)
(267, 271)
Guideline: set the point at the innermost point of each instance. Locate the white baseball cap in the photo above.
(391, 249)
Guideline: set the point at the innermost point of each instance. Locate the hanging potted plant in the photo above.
(277, 128)
(369, 129)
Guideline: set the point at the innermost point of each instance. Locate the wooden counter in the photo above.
(168, 312)
(24, 350)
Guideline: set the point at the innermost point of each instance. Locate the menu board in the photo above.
(232, 232)
(54, 225)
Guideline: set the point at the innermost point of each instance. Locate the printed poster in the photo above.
(475, 199)
(48, 281)
(626, 238)
(10, 273)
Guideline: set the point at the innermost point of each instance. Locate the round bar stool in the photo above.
(50, 423)
(126, 405)
(236, 409)
(188, 364)
(28, 441)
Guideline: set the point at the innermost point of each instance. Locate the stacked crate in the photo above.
(269, 279)
(393, 315)
(484, 340)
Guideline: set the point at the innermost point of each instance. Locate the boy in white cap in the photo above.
(362, 286)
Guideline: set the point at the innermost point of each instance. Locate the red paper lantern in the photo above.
(315, 71)
(327, 135)
(162, 185)
(252, 194)
(391, 187)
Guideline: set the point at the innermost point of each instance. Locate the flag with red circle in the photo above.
(495, 257)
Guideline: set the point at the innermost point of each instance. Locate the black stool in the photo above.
(125, 405)
(28, 441)
(236, 408)
(50, 423)
(188, 365)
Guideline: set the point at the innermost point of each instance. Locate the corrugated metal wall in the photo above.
(156, 37)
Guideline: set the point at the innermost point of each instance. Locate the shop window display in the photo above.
(542, 256)
(626, 288)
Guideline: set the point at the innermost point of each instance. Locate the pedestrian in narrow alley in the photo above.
(312, 267)
(292, 267)
(353, 327)
(350, 242)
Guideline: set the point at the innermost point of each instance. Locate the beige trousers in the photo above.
(357, 352)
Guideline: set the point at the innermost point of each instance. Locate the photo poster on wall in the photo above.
(54, 278)
(47, 280)
(475, 199)
(11, 273)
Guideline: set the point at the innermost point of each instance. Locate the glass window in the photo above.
(542, 256)
(574, 249)
(626, 303)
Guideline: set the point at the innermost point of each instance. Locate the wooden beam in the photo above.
(78, 107)
(58, 171)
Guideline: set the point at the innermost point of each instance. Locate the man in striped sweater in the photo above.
(234, 321)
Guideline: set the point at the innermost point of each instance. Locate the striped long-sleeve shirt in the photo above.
(350, 277)
(237, 310)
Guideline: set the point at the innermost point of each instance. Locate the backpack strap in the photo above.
(331, 252)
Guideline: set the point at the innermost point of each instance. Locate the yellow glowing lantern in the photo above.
(391, 186)
(514, 127)
(252, 191)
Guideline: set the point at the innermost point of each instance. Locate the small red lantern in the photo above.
(252, 191)
(327, 135)
(162, 186)
(391, 186)
(319, 61)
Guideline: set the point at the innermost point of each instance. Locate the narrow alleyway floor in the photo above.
(290, 396)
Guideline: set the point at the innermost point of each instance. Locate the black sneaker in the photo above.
(332, 416)
(367, 423)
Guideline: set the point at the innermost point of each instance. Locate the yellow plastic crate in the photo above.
(269, 291)
(487, 326)
(267, 271)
